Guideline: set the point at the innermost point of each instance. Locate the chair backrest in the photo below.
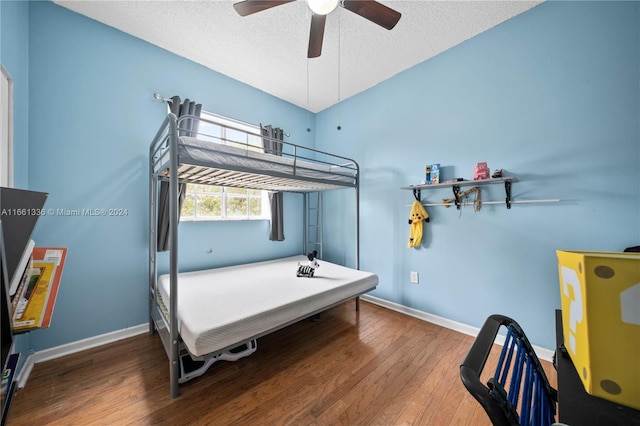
(519, 392)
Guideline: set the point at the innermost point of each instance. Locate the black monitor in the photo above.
(19, 211)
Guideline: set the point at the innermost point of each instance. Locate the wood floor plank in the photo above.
(372, 367)
(431, 352)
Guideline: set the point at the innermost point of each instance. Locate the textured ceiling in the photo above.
(268, 50)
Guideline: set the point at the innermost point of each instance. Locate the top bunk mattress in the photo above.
(197, 158)
(218, 308)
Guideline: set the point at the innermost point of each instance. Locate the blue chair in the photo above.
(519, 392)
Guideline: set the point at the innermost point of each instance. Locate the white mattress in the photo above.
(224, 306)
(206, 153)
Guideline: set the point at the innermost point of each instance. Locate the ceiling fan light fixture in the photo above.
(322, 7)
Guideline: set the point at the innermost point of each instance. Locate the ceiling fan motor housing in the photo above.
(322, 7)
(371, 10)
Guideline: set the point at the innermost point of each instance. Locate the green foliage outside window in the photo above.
(219, 203)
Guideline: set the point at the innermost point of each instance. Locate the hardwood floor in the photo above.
(375, 367)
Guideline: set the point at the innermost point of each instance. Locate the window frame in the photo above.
(226, 193)
(6, 128)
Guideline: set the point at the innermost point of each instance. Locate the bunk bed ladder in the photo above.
(313, 216)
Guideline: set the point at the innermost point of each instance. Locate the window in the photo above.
(207, 202)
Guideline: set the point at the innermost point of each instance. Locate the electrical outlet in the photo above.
(414, 277)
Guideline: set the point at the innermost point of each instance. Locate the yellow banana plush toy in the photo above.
(417, 216)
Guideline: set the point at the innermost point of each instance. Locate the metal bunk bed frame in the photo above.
(167, 167)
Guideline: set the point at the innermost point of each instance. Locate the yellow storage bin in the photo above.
(600, 294)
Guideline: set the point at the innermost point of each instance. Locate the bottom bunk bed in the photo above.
(222, 311)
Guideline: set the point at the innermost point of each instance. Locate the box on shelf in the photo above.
(432, 173)
(435, 173)
(600, 296)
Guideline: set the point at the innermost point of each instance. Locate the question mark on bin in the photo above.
(570, 278)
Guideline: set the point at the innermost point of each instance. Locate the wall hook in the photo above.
(456, 196)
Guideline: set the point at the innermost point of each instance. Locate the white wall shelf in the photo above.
(507, 180)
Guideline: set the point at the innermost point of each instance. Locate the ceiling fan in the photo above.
(370, 9)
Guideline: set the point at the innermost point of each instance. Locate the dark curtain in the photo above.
(186, 127)
(271, 145)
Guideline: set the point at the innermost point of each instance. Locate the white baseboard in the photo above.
(73, 347)
(542, 353)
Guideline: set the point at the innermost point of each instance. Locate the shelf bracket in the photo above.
(456, 196)
(507, 189)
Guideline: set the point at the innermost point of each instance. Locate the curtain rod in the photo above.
(159, 97)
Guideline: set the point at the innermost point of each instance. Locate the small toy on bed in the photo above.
(308, 270)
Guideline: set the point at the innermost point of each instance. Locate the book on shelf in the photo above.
(8, 375)
(32, 305)
(8, 385)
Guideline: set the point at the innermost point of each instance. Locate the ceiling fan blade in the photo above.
(316, 35)
(374, 11)
(248, 7)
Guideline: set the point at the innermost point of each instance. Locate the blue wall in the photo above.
(552, 96)
(91, 118)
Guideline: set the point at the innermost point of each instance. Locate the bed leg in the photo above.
(174, 378)
(357, 303)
